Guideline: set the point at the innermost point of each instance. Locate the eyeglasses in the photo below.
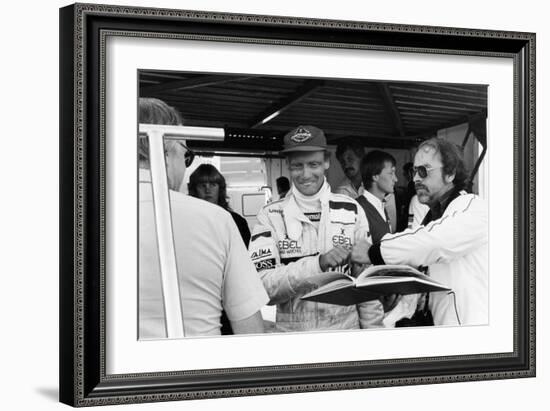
(423, 171)
(189, 155)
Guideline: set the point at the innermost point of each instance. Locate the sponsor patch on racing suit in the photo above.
(266, 251)
(286, 261)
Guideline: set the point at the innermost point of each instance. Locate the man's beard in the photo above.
(420, 186)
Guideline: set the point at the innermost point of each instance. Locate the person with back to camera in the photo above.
(208, 184)
(309, 231)
(213, 267)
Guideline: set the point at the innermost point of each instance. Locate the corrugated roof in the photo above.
(388, 114)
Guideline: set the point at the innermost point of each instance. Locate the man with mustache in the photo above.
(349, 153)
(452, 241)
(309, 231)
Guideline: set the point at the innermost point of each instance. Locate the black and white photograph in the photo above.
(275, 205)
(275, 194)
(259, 204)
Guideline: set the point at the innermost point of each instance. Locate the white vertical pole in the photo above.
(163, 220)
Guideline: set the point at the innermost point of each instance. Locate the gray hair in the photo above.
(155, 111)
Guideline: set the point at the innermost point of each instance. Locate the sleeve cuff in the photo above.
(375, 255)
(249, 307)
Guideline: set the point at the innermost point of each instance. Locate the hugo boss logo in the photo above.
(265, 264)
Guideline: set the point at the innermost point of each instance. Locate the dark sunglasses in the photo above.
(423, 171)
(189, 157)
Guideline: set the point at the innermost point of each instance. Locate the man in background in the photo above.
(213, 268)
(379, 179)
(349, 153)
(408, 176)
(378, 173)
(283, 186)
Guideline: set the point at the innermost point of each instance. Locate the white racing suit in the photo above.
(285, 248)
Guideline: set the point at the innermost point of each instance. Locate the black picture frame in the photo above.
(83, 381)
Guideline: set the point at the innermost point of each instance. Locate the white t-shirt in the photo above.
(214, 269)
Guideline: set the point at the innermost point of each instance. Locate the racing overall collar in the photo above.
(311, 203)
(298, 203)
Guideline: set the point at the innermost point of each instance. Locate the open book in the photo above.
(372, 283)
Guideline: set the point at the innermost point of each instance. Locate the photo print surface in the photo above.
(299, 204)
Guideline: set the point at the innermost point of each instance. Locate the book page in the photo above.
(391, 271)
(321, 279)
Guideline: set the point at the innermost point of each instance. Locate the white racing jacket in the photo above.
(285, 248)
(455, 249)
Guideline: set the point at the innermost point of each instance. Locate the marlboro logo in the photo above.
(302, 135)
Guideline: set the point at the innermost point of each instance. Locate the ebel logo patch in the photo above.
(302, 135)
(261, 253)
(287, 244)
(342, 239)
(265, 264)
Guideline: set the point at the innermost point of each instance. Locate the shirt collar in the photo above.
(376, 202)
(441, 205)
(347, 182)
